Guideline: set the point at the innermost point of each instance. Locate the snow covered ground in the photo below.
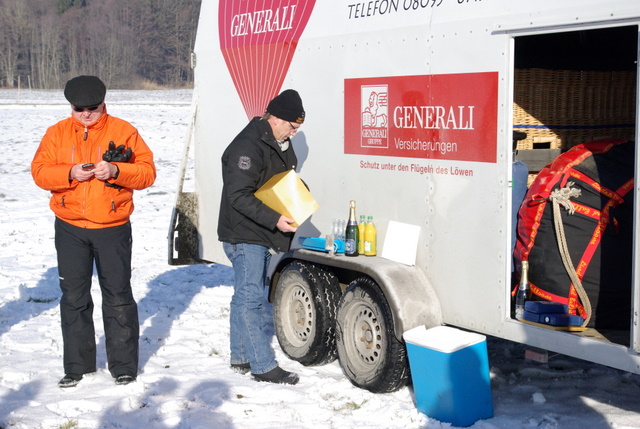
(184, 380)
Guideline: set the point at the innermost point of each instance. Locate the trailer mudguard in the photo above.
(411, 297)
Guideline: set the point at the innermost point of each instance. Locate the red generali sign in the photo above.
(447, 117)
(258, 40)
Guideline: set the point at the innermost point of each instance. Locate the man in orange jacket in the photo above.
(91, 163)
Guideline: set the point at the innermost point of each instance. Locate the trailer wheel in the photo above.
(304, 313)
(370, 355)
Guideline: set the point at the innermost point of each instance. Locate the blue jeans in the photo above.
(249, 340)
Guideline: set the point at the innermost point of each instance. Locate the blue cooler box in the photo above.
(450, 374)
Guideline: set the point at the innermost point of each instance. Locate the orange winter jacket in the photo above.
(91, 204)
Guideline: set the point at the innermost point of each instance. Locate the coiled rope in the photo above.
(562, 197)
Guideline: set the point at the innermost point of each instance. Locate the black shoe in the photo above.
(70, 380)
(278, 375)
(241, 368)
(121, 380)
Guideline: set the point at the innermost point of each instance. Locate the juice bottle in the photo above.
(370, 238)
(361, 226)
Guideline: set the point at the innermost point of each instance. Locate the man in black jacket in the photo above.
(251, 232)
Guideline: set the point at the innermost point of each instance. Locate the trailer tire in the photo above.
(304, 313)
(370, 354)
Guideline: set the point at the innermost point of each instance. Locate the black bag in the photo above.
(599, 234)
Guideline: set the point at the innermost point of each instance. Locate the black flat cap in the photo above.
(85, 91)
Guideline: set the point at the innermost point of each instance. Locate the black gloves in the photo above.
(117, 154)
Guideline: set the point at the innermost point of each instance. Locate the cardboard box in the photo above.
(286, 194)
(450, 374)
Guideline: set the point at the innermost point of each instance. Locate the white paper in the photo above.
(401, 242)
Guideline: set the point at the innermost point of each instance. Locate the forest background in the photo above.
(142, 44)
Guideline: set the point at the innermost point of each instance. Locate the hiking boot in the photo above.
(241, 368)
(277, 375)
(70, 380)
(123, 379)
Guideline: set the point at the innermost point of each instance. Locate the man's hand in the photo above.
(105, 170)
(80, 174)
(284, 224)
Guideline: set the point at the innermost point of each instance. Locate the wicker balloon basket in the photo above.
(563, 108)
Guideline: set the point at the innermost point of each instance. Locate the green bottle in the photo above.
(351, 234)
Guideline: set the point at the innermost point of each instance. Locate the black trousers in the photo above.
(110, 249)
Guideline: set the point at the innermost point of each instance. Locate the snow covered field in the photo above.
(184, 380)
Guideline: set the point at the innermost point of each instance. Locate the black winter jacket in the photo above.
(252, 158)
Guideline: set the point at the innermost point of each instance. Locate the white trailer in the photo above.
(410, 111)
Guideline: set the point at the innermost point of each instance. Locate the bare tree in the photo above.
(123, 42)
(46, 49)
(15, 32)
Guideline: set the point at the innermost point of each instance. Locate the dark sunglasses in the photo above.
(82, 109)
